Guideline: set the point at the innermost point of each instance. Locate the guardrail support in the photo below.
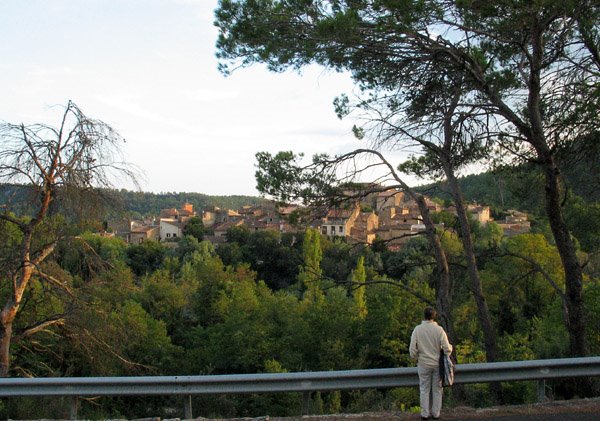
(306, 403)
(73, 408)
(187, 407)
(541, 391)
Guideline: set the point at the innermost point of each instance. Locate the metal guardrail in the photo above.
(305, 382)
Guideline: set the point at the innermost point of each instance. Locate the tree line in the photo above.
(135, 204)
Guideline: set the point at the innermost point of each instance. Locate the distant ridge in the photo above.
(519, 187)
(18, 198)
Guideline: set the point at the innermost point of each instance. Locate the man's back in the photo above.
(426, 341)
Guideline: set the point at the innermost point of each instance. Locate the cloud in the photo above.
(209, 95)
(129, 103)
(45, 72)
(204, 8)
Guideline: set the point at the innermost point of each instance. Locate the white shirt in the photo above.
(426, 341)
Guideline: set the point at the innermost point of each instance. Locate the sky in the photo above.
(148, 69)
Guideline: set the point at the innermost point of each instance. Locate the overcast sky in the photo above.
(148, 68)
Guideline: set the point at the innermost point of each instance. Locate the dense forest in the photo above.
(270, 302)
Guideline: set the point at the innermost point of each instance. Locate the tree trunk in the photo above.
(6, 326)
(483, 313)
(11, 307)
(5, 337)
(570, 262)
(442, 290)
(443, 301)
(562, 237)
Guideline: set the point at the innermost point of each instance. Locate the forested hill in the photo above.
(136, 203)
(521, 188)
(152, 203)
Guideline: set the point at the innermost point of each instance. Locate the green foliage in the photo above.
(523, 284)
(189, 245)
(446, 218)
(310, 272)
(146, 343)
(206, 311)
(488, 236)
(358, 277)
(199, 315)
(164, 299)
(389, 321)
(584, 221)
(88, 255)
(195, 228)
(592, 304)
(145, 257)
(269, 253)
(338, 259)
(116, 335)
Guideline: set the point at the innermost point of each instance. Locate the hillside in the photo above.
(520, 187)
(152, 203)
(17, 198)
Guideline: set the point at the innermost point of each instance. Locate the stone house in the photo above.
(339, 222)
(515, 223)
(220, 230)
(144, 233)
(389, 199)
(172, 221)
(364, 230)
(479, 213)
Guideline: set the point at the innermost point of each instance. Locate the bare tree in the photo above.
(80, 155)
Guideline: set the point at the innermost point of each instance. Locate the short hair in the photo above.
(430, 313)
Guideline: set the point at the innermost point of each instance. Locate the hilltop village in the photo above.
(389, 216)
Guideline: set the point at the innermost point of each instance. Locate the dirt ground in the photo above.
(586, 406)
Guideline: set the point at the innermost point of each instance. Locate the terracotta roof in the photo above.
(286, 210)
(173, 222)
(144, 229)
(340, 213)
(229, 224)
(389, 193)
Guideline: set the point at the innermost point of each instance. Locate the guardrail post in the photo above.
(73, 408)
(541, 391)
(306, 403)
(187, 407)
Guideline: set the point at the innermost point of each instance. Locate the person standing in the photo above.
(426, 341)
